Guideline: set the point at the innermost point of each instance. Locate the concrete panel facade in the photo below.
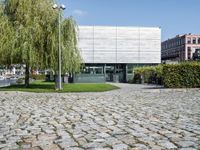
(120, 45)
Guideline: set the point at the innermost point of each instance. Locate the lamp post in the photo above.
(59, 8)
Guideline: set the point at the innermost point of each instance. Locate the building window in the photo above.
(194, 40)
(183, 41)
(98, 70)
(189, 52)
(198, 40)
(92, 70)
(189, 40)
(179, 41)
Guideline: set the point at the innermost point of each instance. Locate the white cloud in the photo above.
(78, 12)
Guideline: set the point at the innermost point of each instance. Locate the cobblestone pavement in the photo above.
(135, 117)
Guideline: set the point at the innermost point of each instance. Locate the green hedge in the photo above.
(184, 75)
(38, 76)
(148, 74)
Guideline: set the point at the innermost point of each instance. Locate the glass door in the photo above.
(109, 73)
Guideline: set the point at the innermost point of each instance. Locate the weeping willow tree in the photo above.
(69, 48)
(6, 39)
(30, 37)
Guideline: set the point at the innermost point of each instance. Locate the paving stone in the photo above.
(140, 147)
(81, 141)
(94, 145)
(167, 144)
(50, 147)
(120, 147)
(103, 135)
(47, 137)
(186, 144)
(34, 148)
(67, 143)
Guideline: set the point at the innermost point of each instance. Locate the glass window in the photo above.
(183, 41)
(98, 70)
(92, 70)
(189, 40)
(198, 40)
(194, 40)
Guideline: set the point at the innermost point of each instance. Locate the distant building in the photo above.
(180, 48)
(110, 53)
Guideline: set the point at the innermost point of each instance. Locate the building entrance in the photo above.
(115, 73)
(109, 73)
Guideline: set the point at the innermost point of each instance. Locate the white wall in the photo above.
(104, 44)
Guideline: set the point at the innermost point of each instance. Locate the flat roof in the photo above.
(110, 26)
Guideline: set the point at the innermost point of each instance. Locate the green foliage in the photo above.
(148, 74)
(38, 76)
(184, 75)
(6, 39)
(29, 35)
(71, 59)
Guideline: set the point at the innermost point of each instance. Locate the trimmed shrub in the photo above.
(148, 74)
(184, 75)
(38, 76)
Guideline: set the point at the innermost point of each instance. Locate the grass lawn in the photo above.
(47, 87)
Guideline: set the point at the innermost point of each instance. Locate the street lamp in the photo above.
(59, 8)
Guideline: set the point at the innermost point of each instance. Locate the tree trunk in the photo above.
(27, 75)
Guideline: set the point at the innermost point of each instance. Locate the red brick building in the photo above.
(181, 47)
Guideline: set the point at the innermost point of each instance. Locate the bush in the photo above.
(38, 76)
(184, 75)
(149, 74)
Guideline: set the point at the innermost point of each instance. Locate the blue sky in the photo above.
(173, 16)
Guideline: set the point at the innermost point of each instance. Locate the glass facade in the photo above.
(111, 72)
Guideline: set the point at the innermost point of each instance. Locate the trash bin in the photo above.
(65, 79)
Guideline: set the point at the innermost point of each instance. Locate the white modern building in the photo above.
(110, 52)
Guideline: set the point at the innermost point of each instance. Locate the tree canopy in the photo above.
(29, 35)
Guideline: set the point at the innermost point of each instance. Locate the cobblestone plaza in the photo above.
(135, 117)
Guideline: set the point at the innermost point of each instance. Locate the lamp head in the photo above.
(55, 6)
(63, 7)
